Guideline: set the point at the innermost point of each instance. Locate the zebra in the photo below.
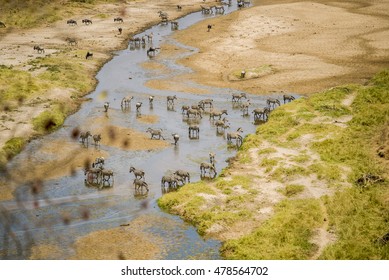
(71, 41)
(194, 131)
(235, 135)
(204, 166)
(96, 139)
(139, 184)
(184, 109)
(183, 174)
(84, 137)
(151, 51)
(135, 41)
(174, 25)
(149, 37)
(193, 112)
(71, 22)
(221, 125)
(261, 114)
(205, 102)
(39, 49)
(88, 55)
(245, 107)
(170, 101)
(138, 105)
(118, 19)
(176, 137)
(288, 97)
(87, 21)
(237, 97)
(139, 174)
(126, 101)
(246, 3)
(92, 175)
(206, 10)
(162, 14)
(171, 181)
(155, 133)
(151, 100)
(106, 106)
(106, 175)
(219, 9)
(272, 102)
(98, 163)
(198, 107)
(217, 113)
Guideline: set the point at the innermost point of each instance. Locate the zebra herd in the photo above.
(71, 40)
(84, 138)
(97, 175)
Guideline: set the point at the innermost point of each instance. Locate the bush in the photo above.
(48, 121)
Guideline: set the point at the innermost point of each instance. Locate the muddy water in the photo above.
(60, 218)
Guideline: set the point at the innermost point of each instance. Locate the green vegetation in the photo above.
(284, 174)
(359, 219)
(51, 120)
(12, 147)
(284, 236)
(65, 71)
(357, 215)
(192, 197)
(291, 190)
(27, 14)
(17, 85)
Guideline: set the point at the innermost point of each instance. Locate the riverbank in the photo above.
(307, 185)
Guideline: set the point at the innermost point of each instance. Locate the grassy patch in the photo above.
(49, 120)
(250, 141)
(284, 236)
(12, 147)
(16, 85)
(281, 122)
(291, 190)
(266, 151)
(66, 71)
(301, 158)
(358, 216)
(199, 203)
(269, 163)
(359, 220)
(330, 102)
(244, 181)
(283, 174)
(328, 172)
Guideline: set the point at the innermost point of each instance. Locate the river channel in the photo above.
(114, 206)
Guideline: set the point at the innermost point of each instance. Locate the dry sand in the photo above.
(309, 46)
